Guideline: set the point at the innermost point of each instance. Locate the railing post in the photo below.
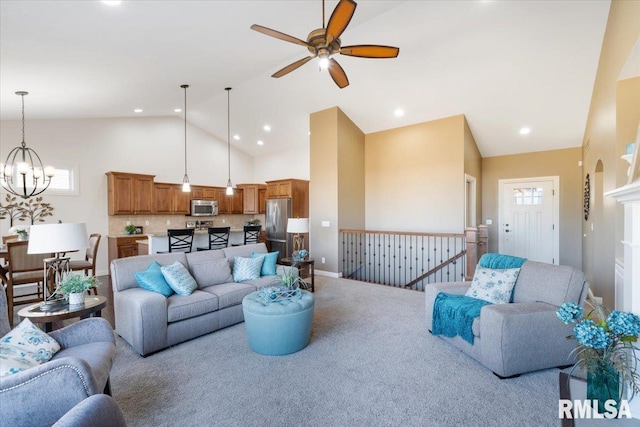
(483, 240)
(471, 240)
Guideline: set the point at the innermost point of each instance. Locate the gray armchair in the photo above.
(98, 410)
(526, 335)
(41, 395)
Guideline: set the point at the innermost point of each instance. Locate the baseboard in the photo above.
(328, 274)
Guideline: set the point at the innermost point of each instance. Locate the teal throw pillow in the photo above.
(269, 262)
(153, 280)
(179, 278)
(246, 268)
(24, 347)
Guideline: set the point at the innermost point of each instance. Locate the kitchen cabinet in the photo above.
(123, 246)
(251, 198)
(262, 200)
(203, 193)
(295, 189)
(170, 199)
(229, 204)
(129, 193)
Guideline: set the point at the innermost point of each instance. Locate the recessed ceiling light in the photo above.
(177, 110)
(138, 110)
(399, 112)
(525, 131)
(267, 128)
(236, 137)
(260, 142)
(111, 2)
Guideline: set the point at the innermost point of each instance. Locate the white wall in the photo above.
(291, 163)
(144, 145)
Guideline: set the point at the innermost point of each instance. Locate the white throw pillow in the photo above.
(25, 346)
(493, 285)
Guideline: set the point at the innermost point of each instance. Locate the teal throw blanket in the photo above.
(454, 315)
(499, 261)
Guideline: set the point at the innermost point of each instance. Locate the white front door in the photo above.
(529, 218)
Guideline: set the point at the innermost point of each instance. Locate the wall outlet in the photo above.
(488, 221)
(323, 260)
(128, 222)
(146, 223)
(168, 222)
(224, 220)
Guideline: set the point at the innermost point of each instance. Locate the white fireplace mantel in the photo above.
(629, 196)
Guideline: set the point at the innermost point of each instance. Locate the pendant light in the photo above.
(229, 185)
(185, 180)
(23, 173)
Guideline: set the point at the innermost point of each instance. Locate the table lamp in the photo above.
(298, 226)
(56, 239)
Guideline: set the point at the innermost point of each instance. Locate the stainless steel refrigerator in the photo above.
(277, 215)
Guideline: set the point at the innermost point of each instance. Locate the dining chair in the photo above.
(180, 240)
(23, 269)
(218, 238)
(252, 234)
(89, 262)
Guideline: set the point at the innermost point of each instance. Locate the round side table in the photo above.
(92, 306)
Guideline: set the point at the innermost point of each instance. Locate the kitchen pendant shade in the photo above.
(186, 188)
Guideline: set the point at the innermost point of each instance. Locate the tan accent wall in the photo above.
(603, 231)
(562, 163)
(323, 188)
(473, 167)
(414, 177)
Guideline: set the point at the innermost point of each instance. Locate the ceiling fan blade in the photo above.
(289, 68)
(337, 74)
(370, 51)
(279, 35)
(340, 18)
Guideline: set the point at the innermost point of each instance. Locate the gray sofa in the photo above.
(42, 394)
(151, 322)
(525, 335)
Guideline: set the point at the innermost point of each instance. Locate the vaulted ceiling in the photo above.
(504, 64)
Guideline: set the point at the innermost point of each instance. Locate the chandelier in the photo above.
(23, 173)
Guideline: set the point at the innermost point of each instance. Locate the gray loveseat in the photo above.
(151, 322)
(525, 335)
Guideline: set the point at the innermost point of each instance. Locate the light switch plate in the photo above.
(326, 223)
(489, 222)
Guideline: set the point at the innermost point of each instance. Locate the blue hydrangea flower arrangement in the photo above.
(605, 341)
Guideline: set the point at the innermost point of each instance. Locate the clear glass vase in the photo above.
(603, 383)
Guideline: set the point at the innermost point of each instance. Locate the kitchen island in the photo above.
(159, 242)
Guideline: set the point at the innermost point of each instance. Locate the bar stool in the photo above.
(251, 234)
(218, 238)
(180, 240)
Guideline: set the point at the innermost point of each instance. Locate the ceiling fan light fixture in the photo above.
(323, 60)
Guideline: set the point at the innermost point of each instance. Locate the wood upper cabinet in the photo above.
(251, 198)
(129, 193)
(295, 189)
(229, 204)
(170, 199)
(203, 193)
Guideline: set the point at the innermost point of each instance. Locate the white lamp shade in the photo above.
(51, 238)
(298, 225)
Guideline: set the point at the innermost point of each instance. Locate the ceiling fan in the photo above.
(325, 41)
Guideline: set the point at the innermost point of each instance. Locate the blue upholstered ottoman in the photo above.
(278, 328)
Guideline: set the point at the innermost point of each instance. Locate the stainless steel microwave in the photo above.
(204, 208)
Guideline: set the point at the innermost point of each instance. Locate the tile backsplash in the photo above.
(158, 224)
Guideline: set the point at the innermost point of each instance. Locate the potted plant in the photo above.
(130, 229)
(75, 285)
(254, 221)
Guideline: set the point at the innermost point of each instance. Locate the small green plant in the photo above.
(290, 279)
(75, 283)
(130, 229)
(254, 221)
(23, 234)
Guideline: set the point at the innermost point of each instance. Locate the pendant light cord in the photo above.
(185, 128)
(24, 144)
(228, 89)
